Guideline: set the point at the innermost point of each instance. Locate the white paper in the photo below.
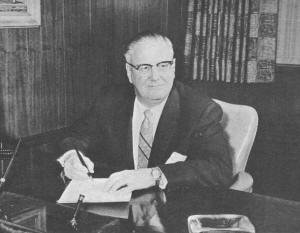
(92, 190)
(176, 157)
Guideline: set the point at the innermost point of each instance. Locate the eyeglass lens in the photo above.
(162, 67)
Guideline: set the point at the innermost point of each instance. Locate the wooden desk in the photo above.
(32, 215)
(153, 211)
(266, 213)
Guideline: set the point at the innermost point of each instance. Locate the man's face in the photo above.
(153, 87)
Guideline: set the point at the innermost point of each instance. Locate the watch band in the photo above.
(157, 175)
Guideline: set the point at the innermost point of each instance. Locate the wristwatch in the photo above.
(156, 173)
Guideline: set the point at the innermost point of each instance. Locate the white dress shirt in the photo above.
(137, 120)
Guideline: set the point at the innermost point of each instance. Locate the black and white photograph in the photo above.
(149, 116)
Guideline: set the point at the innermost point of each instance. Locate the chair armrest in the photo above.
(244, 182)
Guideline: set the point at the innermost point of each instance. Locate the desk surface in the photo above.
(154, 211)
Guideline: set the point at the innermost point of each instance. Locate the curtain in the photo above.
(231, 40)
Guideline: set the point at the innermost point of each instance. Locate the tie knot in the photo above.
(148, 114)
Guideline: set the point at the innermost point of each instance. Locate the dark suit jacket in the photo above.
(189, 125)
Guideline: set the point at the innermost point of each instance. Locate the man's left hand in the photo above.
(130, 180)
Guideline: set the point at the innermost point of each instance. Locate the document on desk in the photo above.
(92, 189)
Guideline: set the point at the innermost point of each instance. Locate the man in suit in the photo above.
(153, 132)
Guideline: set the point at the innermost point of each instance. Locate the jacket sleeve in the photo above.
(86, 135)
(208, 161)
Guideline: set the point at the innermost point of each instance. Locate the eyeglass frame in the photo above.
(136, 67)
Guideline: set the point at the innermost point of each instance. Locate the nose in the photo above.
(154, 74)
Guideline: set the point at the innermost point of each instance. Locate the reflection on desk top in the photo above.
(40, 216)
(155, 211)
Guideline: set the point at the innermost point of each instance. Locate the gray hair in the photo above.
(142, 37)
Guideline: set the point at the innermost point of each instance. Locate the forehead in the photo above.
(151, 51)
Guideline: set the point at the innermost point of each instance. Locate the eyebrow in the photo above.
(155, 64)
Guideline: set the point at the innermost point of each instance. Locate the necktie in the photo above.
(145, 140)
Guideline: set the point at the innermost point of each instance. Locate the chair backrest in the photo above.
(240, 124)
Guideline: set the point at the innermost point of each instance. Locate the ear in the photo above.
(174, 64)
(128, 71)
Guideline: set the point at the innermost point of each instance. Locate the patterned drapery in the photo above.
(231, 40)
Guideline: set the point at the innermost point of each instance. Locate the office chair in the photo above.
(240, 125)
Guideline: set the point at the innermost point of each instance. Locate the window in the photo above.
(20, 13)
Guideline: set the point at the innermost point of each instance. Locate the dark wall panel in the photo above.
(49, 75)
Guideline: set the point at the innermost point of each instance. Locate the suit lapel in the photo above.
(166, 129)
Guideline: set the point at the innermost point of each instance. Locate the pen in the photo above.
(73, 220)
(82, 162)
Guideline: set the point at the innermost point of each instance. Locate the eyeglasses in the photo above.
(144, 69)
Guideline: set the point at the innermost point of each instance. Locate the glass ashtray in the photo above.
(220, 223)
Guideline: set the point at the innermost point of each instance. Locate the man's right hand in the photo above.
(73, 168)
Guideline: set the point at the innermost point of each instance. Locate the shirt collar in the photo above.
(156, 110)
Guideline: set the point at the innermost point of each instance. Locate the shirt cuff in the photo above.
(62, 159)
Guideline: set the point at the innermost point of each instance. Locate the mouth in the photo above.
(155, 86)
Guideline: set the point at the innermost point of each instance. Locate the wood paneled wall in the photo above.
(50, 74)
